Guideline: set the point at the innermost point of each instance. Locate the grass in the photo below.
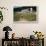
(28, 16)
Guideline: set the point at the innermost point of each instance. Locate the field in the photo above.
(27, 16)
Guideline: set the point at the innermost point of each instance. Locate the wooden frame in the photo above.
(25, 14)
(24, 42)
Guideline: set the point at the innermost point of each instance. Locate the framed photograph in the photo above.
(23, 42)
(25, 14)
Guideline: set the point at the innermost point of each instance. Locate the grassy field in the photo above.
(28, 16)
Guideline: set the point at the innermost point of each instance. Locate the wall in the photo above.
(23, 29)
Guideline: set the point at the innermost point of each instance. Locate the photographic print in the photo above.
(25, 13)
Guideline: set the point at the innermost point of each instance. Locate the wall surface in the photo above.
(23, 29)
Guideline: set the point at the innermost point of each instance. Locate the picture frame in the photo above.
(25, 14)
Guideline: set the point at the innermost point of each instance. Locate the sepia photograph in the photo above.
(25, 13)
